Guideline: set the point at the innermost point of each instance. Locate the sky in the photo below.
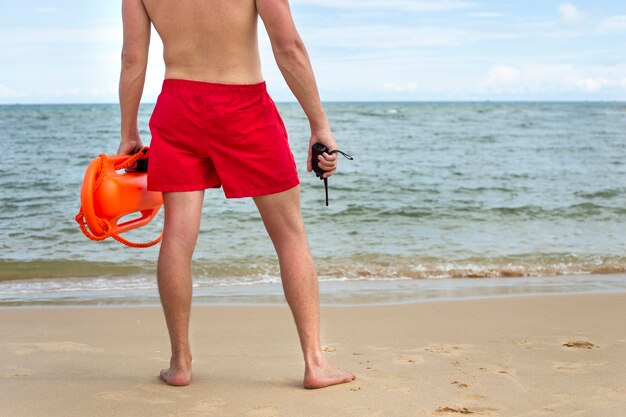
(68, 51)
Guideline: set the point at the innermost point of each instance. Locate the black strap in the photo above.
(348, 157)
(343, 153)
(326, 188)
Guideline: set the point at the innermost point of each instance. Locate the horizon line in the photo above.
(88, 103)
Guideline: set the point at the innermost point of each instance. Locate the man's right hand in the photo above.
(129, 146)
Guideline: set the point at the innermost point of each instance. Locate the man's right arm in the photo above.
(293, 62)
(136, 23)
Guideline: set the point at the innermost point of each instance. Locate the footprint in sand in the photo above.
(526, 344)
(580, 344)
(610, 393)
(402, 388)
(459, 384)
(28, 348)
(201, 409)
(130, 397)
(463, 410)
(377, 348)
(575, 367)
(494, 369)
(162, 389)
(409, 360)
(474, 397)
(18, 373)
(206, 406)
(446, 350)
(545, 410)
(262, 411)
(365, 411)
(368, 365)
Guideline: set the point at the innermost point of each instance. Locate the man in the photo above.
(214, 125)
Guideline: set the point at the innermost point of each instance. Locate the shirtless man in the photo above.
(214, 125)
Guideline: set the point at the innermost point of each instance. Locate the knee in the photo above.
(290, 228)
(292, 244)
(178, 242)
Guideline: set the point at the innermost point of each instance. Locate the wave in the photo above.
(586, 210)
(579, 210)
(62, 268)
(528, 265)
(370, 266)
(481, 189)
(602, 194)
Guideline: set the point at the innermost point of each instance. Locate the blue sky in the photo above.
(68, 50)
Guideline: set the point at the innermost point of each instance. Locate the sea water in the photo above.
(438, 195)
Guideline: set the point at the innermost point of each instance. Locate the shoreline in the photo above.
(365, 292)
(244, 305)
(518, 356)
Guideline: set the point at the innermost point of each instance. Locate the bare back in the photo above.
(208, 40)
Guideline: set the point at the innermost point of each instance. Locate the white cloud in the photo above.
(502, 74)
(106, 91)
(552, 78)
(407, 5)
(614, 24)
(6, 92)
(570, 13)
(592, 85)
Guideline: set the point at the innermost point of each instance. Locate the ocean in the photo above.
(442, 200)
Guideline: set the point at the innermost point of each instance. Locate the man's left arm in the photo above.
(136, 24)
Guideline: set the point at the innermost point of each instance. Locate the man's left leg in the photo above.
(281, 216)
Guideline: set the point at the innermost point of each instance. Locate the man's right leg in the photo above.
(183, 211)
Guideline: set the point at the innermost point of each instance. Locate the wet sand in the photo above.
(554, 355)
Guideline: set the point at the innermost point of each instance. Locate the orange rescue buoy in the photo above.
(107, 196)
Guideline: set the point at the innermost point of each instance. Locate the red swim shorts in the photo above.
(207, 135)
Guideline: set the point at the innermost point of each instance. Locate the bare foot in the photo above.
(176, 375)
(325, 375)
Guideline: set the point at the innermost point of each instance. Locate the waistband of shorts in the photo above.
(207, 87)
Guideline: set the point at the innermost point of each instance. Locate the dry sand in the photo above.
(520, 356)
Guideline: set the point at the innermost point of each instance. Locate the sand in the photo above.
(551, 355)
